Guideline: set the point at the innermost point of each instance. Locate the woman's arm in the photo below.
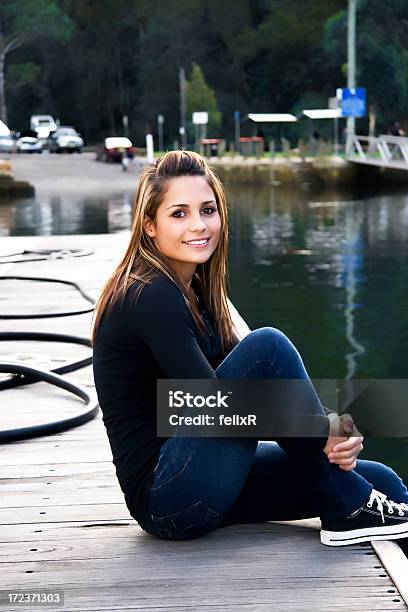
(162, 319)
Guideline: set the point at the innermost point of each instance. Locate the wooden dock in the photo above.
(64, 523)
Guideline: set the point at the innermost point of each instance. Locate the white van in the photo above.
(42, 125)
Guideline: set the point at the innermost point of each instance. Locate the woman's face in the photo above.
(188, 213)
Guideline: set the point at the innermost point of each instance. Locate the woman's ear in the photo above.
(148, 226)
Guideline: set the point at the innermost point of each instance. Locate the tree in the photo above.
(200, 97)
(124, 56)
(24, 21)
(165, 44)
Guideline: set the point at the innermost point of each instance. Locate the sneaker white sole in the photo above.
(345, 538)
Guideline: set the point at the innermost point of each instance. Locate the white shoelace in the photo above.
(381, 499)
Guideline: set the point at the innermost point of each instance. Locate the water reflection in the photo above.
(68, 213)
(351, 276)
(333, 243)
(332, 274)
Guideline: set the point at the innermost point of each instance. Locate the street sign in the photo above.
(237, 116)
(352, 101)
(200, 118)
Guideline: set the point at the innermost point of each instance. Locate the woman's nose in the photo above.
(198, 224)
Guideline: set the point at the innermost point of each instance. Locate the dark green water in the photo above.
(330, 271)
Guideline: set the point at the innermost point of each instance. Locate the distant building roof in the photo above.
(272, 117)
(323, 113)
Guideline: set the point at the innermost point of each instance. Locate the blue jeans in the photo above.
(201, 484)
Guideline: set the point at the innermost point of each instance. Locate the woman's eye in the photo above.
(208, 208)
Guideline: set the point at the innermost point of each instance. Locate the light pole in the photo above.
(182, 130)
(351, 64)
(125, 121)
(237, 119)
(160, 121)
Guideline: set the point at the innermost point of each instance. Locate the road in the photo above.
(73, 173)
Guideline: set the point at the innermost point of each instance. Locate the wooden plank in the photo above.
(29, 486)
(59, 453)
(57, 470)
(85, 493)
(74, 512)
(122, 528)
(188, 564)
(233, 593)
(76, 546)
(33, 532)
(396, 564)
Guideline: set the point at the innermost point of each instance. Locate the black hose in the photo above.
(53, 314)
(46, 429)
(45, 254)
(16, 381)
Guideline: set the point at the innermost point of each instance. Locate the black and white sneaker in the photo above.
(387, 520)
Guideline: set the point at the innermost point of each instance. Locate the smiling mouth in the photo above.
(198, 243)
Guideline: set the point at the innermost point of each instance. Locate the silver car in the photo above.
(6, 144)
(65, 139)
(29, 144)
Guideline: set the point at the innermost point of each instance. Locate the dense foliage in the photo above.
(90, 62)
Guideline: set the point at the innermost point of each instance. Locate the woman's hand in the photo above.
(344, 442)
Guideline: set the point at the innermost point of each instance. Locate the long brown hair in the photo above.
(142, 261)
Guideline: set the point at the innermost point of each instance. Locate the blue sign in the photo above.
(236, 115)
(352, 101)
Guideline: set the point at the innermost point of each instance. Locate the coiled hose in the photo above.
(24, 375)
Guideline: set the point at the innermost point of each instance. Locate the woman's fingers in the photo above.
(349, 454)
(348, 468)
(346, 460)
(350, 443)
(345, 453)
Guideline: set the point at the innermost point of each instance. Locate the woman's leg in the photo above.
(197, 480)
(274, 491)
(384, 479)
(337, 493)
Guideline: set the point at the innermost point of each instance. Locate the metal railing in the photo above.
(383, 150)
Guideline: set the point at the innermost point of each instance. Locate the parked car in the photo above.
(114, 149)
(29, 144)
(42, 125)
(65, 138)
(6, 144)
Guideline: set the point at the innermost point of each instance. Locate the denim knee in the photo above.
(267, 336)
(269, 341)
(273, 346)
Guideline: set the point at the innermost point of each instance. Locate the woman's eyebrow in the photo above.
(187, 205)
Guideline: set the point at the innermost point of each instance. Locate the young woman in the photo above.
(164, 314)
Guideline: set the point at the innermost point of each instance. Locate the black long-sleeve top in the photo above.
(136, 343)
